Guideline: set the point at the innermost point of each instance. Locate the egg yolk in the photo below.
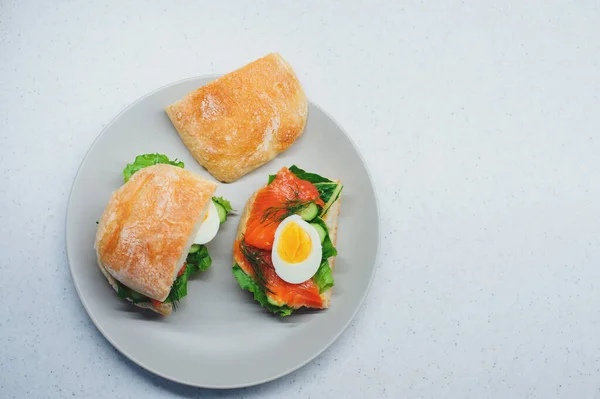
(205, 217)
(294, 244)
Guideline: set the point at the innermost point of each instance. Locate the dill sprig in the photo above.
(254, 258)
(291, 206)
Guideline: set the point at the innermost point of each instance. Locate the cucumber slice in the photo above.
(126, 292)
(334, 196)
(221, 211)
(136, 297)
(272, 301)
(326, 190)
(195, 248)
(310, 212)
(320, 230)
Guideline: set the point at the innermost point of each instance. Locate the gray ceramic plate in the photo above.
(219, 337)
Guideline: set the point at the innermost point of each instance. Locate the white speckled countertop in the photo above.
(479, 120)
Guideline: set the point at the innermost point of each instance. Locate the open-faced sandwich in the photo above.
(151, 236)
(244, 119)
(284, 250)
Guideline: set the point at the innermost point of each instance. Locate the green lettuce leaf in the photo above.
(324, 277)
(142, 161)
(224, 204)
(311, 177)
(179, 288)
(327, 246)
(271, 178)
(247, 283)
(198, 261)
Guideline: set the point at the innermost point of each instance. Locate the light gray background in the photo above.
(479, 121)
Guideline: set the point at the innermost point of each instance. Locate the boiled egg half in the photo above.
(210, 225)
(296, 252)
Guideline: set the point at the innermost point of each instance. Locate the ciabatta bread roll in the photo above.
(244, 119)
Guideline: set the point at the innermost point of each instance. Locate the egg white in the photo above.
(296, 273)
(209, 228)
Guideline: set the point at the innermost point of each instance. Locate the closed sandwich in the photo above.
(151, 236)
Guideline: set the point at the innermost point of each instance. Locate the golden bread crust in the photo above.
(147, 227)
(330, 219)
(244, 119)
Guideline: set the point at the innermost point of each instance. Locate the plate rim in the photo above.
(131, 357)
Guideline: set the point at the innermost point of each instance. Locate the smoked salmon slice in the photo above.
(293, 295)
(284, 196)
